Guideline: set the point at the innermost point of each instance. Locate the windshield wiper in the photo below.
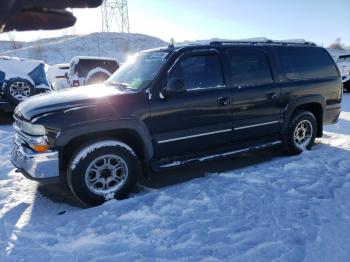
(123, 86)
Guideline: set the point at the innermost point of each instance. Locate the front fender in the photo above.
(65, 136)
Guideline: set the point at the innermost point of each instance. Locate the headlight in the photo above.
(31, 129)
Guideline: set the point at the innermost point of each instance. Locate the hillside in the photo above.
(119, 45)
(62, 49)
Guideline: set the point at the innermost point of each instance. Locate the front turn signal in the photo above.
(40, 148)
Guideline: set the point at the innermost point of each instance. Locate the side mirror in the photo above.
(66, 75)
(175, 85)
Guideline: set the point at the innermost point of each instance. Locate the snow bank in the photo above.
(287, 209)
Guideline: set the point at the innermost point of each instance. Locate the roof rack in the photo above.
(265, 41)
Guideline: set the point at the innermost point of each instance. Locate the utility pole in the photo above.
(115, 16)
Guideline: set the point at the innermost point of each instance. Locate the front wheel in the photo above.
(301, 132)
(102, 171)
(18, 89)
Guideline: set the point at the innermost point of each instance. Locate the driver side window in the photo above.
(200, 71)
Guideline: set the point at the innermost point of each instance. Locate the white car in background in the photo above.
(57, 76)
(343, 63)
(88, 70)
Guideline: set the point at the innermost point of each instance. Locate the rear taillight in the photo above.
(76, 83)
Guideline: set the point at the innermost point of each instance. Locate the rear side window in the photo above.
(200, 71)
(249, 67)
(306, 62)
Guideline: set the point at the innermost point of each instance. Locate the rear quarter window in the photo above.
(306, 63)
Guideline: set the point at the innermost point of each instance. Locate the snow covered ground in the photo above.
(284, 209)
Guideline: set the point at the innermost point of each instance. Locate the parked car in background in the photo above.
(175, 106)
(343, 63)
(57, 76)
(22, 78)
(88, 70)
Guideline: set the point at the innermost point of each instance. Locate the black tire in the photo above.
(30, 90)
(80, 162)
(346, 86)
(288, 140)
(97, 78)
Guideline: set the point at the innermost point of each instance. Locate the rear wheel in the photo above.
(301, 132)
(102, 171)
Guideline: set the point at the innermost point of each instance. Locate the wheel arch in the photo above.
(314, 104)
(131, 133)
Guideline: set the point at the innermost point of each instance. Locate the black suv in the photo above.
(177, 105)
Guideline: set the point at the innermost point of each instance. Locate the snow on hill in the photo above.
(63, 49)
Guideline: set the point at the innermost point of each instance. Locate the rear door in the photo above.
(255, 95)
(198, 118)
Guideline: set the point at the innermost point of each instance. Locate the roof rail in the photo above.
(267, 41)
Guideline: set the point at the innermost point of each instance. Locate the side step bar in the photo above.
(163, 164)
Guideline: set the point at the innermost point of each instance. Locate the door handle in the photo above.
(272, 96)
(223, 101)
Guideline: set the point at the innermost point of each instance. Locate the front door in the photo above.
(255, 95)
(199, 117)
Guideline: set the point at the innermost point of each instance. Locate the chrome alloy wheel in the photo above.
(303, 134)
(106, 174)
(20, 90)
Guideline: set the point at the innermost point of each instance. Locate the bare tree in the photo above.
(14, 43)
(337, 44)
(37, 51)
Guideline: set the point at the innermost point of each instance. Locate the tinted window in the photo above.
(249, 67)
(306, 62)
(200, 71)
(86, 65)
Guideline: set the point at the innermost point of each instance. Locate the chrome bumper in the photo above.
(34, 165)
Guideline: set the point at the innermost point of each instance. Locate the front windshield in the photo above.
(139, 71)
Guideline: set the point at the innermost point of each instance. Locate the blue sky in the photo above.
(321, 21)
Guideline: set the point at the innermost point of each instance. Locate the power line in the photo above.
(115, 16)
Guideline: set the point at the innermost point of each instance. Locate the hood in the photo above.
(65, 100)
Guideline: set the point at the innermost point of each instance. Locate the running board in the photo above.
(163, 164)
